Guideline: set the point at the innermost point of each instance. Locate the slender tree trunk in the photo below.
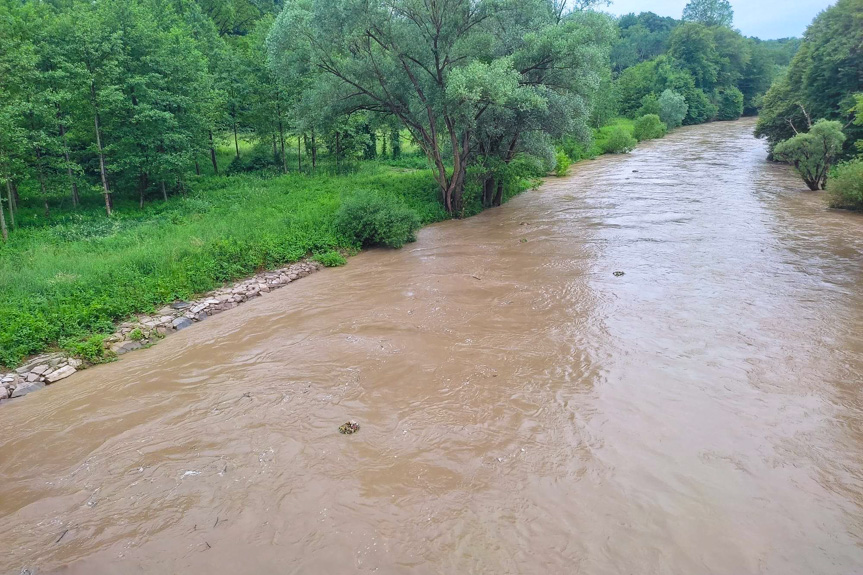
(3, 230)
(142, 186)
(396, 144)
(164, 192)
(314, 152)
(236, 141)
(275, 149)
(338, 150)
(105, 189)
(213, 155)
(197, 168)
(282, 145)
(10, 190)
(42, 183)
(383, 145)
(75, 197)
(498, 197)
(300, 152)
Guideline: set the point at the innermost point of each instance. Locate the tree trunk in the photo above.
(396, 144)
(275, 150)
(75, 197)
(282, 144)
(197, 168)
(3, 230)
(142, 187)
(105, 189)
(314, 152)
(236, 141)
(213, 155)
(10, 190)
(299, 153)
(338, 150)
(487, 190)
(42, 183)
(383, 145)
(498, 197)
(164, 193)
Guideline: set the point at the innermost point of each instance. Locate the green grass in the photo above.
(65, 280)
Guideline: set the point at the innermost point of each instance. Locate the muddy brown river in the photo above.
(522, 409)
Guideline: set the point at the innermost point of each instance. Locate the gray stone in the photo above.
(61, 373)
(201, 316)
(31, 377)
(4, 393)
(180, 305)
(126, 347)
(39, 369)
(76, 363)
(28, 387)
(181, 323)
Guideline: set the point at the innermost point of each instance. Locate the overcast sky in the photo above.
(766, 19)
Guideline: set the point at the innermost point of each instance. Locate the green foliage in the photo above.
(814, 152)
(136, 335)
(822, 78)
(561, 164)
(330, 259)
(845, 186)
(729, 103)
(672, 108)
(62, 282)
(372, 219)
(709, 12)
(649, 127)
(649, 105)
(619, 141)
(89, 348)
(642, 38)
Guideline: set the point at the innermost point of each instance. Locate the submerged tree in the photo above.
(814, 152)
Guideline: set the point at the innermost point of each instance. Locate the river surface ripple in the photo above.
(522, 409)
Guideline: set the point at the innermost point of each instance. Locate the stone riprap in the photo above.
(145, 330)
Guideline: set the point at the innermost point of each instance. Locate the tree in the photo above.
(649, 127)
(693, 49)
(729, 103)
(822, 78)
(438, 67)
(709, 12)
(672, 108)
(813, 153)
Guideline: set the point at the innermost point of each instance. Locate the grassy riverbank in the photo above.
(65, 280)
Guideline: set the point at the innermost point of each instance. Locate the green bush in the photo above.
(562, 163)
(649, 127)
(845, 186)
(620, 141)
(672, 108)
(729, 103)
(372, 219)
(814, 152)
(330, 259)
(649, 105)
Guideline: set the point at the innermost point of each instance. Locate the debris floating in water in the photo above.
(349, 428)
(618, 274)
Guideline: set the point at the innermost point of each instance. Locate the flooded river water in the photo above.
(522, 409)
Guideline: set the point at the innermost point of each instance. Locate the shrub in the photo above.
(649, 127)
(729, 103)
(845, 188)
(649, 105)
(672, 108)
(330, 259)
(373, 219)
(562, 163)
(136, 335)
(620, 141)
(814, 152)
(701, 109)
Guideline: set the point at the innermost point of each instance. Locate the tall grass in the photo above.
(76, 277)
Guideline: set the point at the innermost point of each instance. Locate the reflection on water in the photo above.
(522, 409)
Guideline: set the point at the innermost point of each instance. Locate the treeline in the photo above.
(721, 74)
(130, 97)
(812, 116)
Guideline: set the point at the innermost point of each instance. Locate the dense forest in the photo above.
(152, 149)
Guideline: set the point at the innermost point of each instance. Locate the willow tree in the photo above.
(438, 66)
